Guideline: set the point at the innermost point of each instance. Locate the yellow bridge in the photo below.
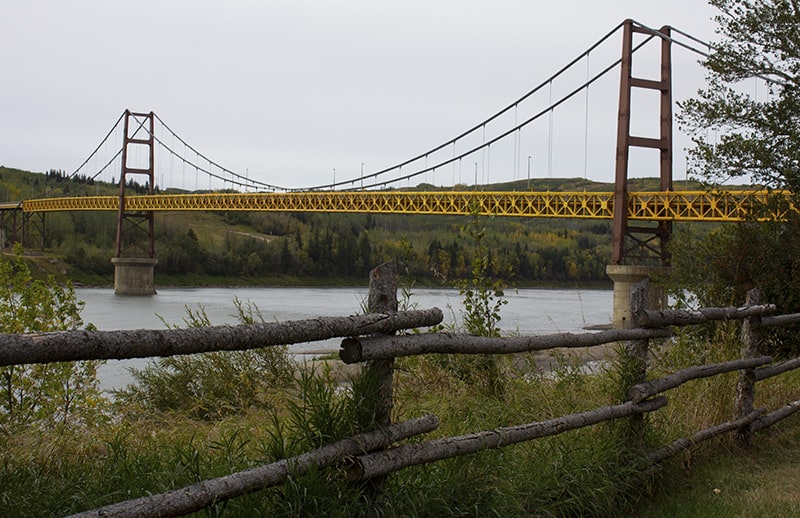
(653, 206)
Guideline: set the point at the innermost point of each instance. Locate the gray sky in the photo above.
(290, 90)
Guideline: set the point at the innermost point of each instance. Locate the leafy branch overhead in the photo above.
(746, 122)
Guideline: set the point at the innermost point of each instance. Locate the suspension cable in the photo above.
(486, 121)
(246, 182)
(207, 171)
(100, 145)
(224, 169)
(524, 123)
(671, 39)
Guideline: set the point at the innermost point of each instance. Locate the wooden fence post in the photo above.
(382, 299)
(379, 373)
(745, 388)
(635, 361)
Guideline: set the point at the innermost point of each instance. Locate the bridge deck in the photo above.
(10, 205)
(653, 206)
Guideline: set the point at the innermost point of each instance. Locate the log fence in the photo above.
(371, 339)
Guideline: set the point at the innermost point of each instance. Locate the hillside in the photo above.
(204, 248)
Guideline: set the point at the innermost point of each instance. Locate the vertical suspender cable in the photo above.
(586, 125)
(488, 163)
(483, 156)
(516, 145)
(453, 173)
(183, 171)
(550, 136)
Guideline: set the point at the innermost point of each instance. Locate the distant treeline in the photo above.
(260, 246)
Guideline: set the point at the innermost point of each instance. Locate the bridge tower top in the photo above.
(135, 229)
(630, 242)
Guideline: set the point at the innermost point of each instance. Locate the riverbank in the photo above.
(201, 281)
(528, 311)
(44, 265)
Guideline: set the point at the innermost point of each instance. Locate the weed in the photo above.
(211, 385)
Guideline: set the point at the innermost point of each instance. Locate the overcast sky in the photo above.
(288, 91)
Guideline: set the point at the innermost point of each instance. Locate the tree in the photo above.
(756, 134)
(48, 394)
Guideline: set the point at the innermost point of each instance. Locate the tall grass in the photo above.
(589, 472)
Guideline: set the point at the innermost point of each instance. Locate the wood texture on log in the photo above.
(383, 299)
(744, 400)
(634, 363)
(680, 317)
(775, 416)
(382, 463)
(197, 496)
(642, 391)
(105, 345)
(382, 296)
(637, 349)
(781, 320)
(685, 443)
(773, 370)
(364, 348)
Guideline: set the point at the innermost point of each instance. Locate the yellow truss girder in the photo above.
(653, 206)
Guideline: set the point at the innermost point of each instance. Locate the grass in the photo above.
(588, 472)
(757, 481)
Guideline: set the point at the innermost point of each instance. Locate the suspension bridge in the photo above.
(642, 221)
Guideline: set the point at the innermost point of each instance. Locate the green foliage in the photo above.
(43, 395)
(755, 134)
(210, 385)
(481, 295)
(719, 269)
(482, 300)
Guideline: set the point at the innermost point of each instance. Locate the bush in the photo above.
(210, 385)
(43, 395)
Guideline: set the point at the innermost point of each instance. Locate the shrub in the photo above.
(210, 385)
(44, 395)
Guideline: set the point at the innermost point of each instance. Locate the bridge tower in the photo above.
(135, 259)
(639, 252)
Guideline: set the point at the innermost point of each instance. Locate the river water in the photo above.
(529, 311)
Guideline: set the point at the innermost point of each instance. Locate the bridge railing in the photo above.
(734, 205)
(369, 338)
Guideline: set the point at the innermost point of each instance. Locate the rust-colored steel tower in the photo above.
(135, 255)
(640, 252)
(642, 244)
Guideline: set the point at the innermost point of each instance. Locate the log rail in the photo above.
(371, 338)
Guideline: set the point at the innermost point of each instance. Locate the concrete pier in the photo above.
(134, 275)
(624, 277)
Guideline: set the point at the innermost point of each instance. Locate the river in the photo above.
(528, 311)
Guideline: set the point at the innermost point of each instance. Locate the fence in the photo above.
(369, 338)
